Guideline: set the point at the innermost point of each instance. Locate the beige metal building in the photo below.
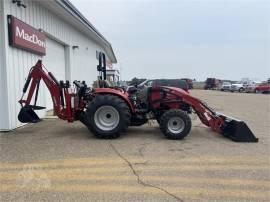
(54, 31)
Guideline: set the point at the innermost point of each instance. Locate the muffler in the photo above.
(27, 114)
(237, 130)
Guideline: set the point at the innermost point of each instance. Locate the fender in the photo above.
(117, 92)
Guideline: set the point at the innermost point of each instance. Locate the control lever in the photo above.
(64, 84)
(78, 84)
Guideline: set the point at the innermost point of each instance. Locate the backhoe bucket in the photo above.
(27, 115)
(237, 130)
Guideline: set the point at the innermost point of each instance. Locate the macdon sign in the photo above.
(24, 36)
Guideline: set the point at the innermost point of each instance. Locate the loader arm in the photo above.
(230, 127)
(61, 102)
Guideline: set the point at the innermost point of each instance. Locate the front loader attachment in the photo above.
(27, 114)
(234, 129)
(237, 130)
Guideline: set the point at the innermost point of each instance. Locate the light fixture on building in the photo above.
(19, 3)
(74, 47)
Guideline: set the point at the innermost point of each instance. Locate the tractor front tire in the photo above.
(175, 124)
(108, 116)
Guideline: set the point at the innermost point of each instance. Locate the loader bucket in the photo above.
(27, 115)
(237, 130)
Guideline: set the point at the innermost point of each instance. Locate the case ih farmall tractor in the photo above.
(108, 111)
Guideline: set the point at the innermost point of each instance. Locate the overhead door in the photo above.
(55, 62)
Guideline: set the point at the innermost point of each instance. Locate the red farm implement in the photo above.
(108, 111)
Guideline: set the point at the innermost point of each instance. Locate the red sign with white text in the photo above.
(24, 36)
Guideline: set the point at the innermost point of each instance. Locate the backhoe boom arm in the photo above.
(61, 103)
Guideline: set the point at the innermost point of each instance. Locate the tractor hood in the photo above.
(176, 89)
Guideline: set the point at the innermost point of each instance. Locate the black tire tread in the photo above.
(123, 110)
(164, 122)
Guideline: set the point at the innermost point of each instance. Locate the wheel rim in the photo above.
(106, 118)
(176, 125)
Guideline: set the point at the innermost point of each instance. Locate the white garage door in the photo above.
(54, 61)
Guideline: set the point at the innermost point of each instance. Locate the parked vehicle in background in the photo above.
(251, 88)
(189, 82)
(226, 86)
(165, 82)
(238, 87)
(211, 83)
(263, 88)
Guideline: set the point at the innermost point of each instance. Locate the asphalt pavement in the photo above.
(58, 161)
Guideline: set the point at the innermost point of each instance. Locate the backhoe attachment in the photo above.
(28, 115)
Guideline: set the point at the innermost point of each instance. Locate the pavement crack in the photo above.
(139, 180)
(142, 148)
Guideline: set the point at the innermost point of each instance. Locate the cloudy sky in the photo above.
(227, 39)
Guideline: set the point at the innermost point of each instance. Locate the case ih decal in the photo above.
(24, 36)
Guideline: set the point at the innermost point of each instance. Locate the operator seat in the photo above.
(105, 84)
(102, 84)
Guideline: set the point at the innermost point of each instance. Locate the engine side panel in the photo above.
(166, 98)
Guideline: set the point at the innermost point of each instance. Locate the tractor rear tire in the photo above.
(108, 116)
(175, 124)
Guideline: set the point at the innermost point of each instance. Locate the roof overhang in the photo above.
(67, 12)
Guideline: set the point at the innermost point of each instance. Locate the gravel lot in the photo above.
(57, 161)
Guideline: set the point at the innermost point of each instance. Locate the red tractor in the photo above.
(108, 111)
